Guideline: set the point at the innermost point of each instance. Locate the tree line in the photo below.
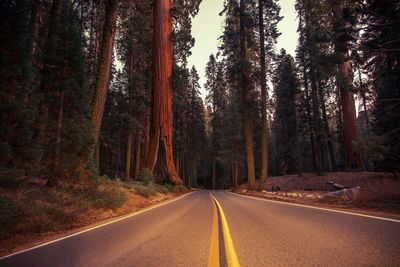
(103, 87)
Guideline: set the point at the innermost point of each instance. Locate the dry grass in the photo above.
(29, 213)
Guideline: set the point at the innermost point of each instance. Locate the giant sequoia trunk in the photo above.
(160, 157)
(246, 99)
(104, 66)
(264, 131)
(353, 160)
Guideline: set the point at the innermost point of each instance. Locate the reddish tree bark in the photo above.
(104, 66)
(160, 157)
(353, 160)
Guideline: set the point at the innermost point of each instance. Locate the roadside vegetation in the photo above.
(362, 190)
(30, 210)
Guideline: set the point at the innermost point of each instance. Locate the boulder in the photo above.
(338, 186)
(345, 195)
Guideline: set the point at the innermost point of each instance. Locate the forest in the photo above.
(103, 88)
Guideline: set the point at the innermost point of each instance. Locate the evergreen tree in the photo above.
(382, 57)
(286, 88)
(18, 94)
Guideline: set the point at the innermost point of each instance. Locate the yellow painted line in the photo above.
(231, 256)
(317, 208)
(213, 259)
(101, 225)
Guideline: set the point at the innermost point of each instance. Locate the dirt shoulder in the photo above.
(365, 192)
(32, 214)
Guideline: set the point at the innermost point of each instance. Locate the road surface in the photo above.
(224, 229)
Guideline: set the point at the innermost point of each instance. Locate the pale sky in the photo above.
(207, 26)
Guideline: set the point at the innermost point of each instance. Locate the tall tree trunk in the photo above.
(104, 66)
(43, 134)
(160, 149)
(353, 160)
(264, 131)
(314, 93)
(317, 122)
(307, 96)
(130, 115)
(246, 98)
(327, 134)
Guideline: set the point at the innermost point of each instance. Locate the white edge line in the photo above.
(99, 226)
(318, 208)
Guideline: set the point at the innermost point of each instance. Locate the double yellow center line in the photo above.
(230, 252)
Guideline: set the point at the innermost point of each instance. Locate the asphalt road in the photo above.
(261, 233)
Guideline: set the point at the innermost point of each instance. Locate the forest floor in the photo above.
(32, 213)
(361, 191)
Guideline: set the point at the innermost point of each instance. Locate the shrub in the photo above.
(107, 199)
(180, 188)
(145, 190)
(146, 176)
(11, 212)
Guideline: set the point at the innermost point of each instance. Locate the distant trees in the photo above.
(66, 90)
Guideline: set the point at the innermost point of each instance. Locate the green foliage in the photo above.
(286, 86)
(18, 93)
(108, 198)
(145, 190)
(146, 176)
(380, 44)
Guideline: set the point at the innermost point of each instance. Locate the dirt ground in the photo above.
(378, 192)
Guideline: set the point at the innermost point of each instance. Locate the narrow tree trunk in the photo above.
(130, 115)
(178, 163)
(317, 123)
(104, 66)
(214, 173)
(128, 155)
(236, 174)
(60, 115)
(264, 131)
(308, 111)
(43, 133)
(137, 163)
(160, 149)
(246, 95)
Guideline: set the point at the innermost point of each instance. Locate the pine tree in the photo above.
(381, 49)
(286, 88)
(18, 93)
(271, 18)
(216, 98)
